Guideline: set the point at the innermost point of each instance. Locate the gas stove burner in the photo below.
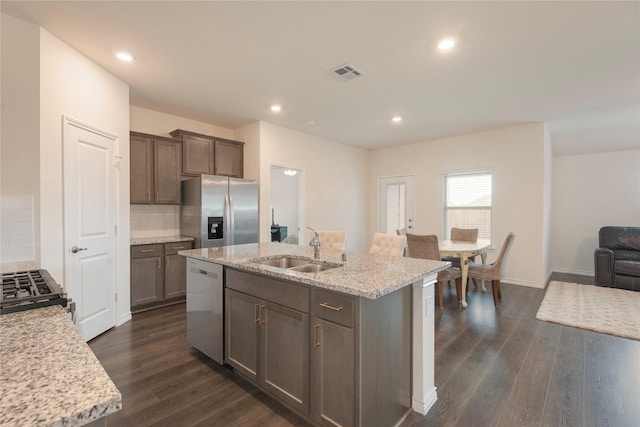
(24, 290)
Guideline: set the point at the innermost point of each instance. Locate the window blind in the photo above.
(468, 203)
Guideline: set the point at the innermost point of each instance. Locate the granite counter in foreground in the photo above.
(48, 375)
(363, 275)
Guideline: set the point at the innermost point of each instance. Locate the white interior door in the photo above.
(90, 218)
(396, 204)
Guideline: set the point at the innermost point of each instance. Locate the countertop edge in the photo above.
(244, 264)
(136, 241)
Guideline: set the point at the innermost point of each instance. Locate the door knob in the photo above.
(75, 249)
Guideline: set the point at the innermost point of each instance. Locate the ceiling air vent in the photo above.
(345, 72)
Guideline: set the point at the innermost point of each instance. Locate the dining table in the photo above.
(464, 251)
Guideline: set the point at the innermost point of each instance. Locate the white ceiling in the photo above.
(574, 65)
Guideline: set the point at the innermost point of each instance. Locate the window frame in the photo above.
(446, 234)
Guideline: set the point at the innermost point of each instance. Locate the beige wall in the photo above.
(591, 191)
(250, 135)
(515, 155)
(334, 181)
(20, 147)
(547, 209)
(156, 123)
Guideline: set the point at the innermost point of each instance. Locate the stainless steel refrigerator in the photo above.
(219, 211)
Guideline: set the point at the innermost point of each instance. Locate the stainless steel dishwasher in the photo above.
(205, 307)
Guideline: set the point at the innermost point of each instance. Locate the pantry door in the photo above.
(90, 201)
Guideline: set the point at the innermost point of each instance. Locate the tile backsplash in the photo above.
(155, 220)
(16, 222)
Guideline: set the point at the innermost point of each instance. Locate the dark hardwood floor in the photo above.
(493, 368)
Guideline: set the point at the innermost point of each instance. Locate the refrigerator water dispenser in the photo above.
(215, 228)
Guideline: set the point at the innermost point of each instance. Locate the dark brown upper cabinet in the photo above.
(154, 169)
(206, 154)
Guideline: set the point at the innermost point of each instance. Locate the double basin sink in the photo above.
(300, 264)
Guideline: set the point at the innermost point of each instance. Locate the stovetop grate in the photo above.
(29, 289)
(24, 283)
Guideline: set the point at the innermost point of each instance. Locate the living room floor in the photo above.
(493, 368)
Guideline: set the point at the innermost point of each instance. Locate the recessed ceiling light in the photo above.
(446, 44)
(396, 119)
(276, 108)
(124, 56)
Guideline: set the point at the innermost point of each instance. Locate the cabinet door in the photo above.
(147, 277)
(141, 170)
(334, 374)
(175, 276)
(285, 354)
(228, 158)
(167, 172)
(197, 155)
(243, 321)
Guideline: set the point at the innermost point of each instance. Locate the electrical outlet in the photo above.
(429, 306)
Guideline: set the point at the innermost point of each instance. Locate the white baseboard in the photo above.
(424, 406)
(124, 319)
(574, 271)
(523, 283)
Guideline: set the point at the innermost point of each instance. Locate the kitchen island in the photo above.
(48, 375)
(341, 343)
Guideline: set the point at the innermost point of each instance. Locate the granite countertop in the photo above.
(13, 266)
(159, 239)
(364, 275)
(49, 375)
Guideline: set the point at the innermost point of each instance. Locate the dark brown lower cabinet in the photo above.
(175, 269)
(336, 359)
(158, 274)
(148, 276)
(269, 344)
(334, 374)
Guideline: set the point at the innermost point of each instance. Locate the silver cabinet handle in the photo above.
(75, 249)
(330, 307)
(316, 343)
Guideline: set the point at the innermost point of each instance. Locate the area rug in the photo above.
(607, 310)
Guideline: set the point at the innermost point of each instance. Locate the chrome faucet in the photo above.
(315, 242)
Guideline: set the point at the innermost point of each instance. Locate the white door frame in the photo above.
(383, 182)
(71, 285)
(301, 186)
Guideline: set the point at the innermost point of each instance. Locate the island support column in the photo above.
(423, 354)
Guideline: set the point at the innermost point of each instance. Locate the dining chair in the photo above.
(388, 244)
(494, 271)
(426, 247)
(332, 239)
(463, 235)
(402, 232)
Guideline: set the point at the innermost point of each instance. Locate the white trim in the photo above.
(574, 271)
(445, 207)
(423, 394)
(423, 406)
(301, 198)
(410, 181)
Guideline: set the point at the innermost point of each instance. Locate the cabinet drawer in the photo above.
(144, 251)
(173, 248)
(336, 308)
(280, 292)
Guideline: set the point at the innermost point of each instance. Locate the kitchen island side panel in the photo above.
(385, 358)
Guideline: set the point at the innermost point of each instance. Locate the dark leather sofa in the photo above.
(617, 260)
